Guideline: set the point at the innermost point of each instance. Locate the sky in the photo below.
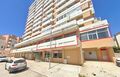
(13, 15)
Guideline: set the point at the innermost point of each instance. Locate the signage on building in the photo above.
(59, 43)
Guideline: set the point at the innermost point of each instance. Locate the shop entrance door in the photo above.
(105, 54)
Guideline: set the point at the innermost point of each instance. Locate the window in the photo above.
(71, 34)
(57, 55)
(92, 35)
(19, 61)
(56, 38)
(97, 34)
(102, 33)
(83, 37)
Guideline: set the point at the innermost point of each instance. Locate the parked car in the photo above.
(118, 61)
(3, 59)
(16, 65)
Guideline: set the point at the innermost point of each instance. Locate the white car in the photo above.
(3, 58)
(16, 65)
(118, 61)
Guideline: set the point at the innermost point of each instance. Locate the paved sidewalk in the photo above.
(56, 70)
(100, 69)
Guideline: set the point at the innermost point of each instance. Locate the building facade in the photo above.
(117, 39)
(65, 31)
(7, 43)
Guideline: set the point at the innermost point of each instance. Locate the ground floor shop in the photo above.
(100, 54)
(70, 55)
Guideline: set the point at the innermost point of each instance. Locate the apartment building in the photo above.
(117, 39)
(7, 43)
(65, 31)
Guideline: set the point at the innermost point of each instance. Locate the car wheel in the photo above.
(10, 71)
(5, 67)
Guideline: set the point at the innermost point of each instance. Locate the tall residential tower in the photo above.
(65, 31)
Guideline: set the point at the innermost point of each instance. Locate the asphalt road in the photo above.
(25, 73)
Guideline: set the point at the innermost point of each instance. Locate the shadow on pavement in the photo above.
(20, 71)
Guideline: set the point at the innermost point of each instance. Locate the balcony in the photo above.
(47, 22)
(80, 22)
(37, 20)
(36, 33)
(37, 14)
(59, 3)
(49, 11)
(71, 24)
(75, 14)
(46, 32)
(28, 33)
(36, 28)
(77, 5)
(47, 8)
(46, 28)
(30, 28)
(27, 37)
(37, 23)
(47, 4)
(65, 5)
(25, 49)
(68, 41)
(97, 25)
(47, 17)
(62, 20)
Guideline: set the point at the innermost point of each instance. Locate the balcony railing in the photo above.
(68, 41)
(64, 26)
(65, 5)
(77, 5)
(47, 22)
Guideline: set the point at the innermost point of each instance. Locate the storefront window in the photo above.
(57, 55)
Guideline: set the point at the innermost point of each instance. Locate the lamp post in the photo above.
(50, 49)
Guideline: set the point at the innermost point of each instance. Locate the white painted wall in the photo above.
(118, 39)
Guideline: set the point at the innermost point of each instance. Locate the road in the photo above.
(24, 73)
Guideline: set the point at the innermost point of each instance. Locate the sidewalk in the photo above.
(56, 70)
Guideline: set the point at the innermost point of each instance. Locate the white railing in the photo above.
(47, 22)
(47, 17)
(75, 14)
(64, 26)
(37, 20)
(47, 4)
(49, 11)
(65, 5)
(28, 33)
(37, 23)
(79, 22)
(35, 33)
(36, 28)
(69, 9)
(45, 9)
(62, 20)
(46, 28)
(58, 43)
(59, 3)
(98, 24)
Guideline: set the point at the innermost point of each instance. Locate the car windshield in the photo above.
(19, 61)
(10, 61)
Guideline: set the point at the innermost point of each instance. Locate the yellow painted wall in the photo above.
(107, 42)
